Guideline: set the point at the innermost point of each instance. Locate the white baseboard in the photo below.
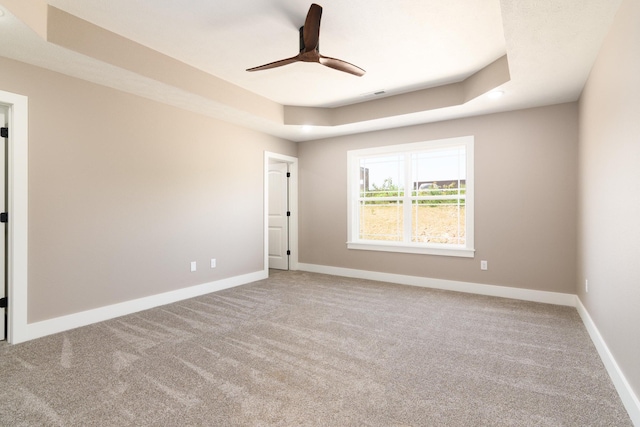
(556, 298)
(72, 321)
(628, 397)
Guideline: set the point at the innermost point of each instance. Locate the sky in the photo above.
(440, 165)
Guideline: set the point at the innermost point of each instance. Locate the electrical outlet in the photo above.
(193, 266)
(586, 285)
(484, 265)
(213, 263)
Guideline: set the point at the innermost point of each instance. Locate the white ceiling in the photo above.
(404, 45)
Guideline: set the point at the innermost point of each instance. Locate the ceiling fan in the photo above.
(309, 52)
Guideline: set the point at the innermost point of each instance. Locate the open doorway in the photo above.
(281, 211)
(15, 124)
(4, 139)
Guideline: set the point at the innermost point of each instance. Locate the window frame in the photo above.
(466, 250)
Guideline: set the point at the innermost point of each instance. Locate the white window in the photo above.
(415, 198)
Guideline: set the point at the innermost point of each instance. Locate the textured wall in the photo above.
(526, 182)
(609, 236)
(125, 192)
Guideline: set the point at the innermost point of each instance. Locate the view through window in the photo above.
(413, 197)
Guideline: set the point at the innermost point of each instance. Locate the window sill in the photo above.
(444, 250)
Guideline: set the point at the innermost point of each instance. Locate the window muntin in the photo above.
(413, 197)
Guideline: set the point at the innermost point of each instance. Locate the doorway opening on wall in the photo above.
(281, 211)
(4, 139)
(15, 146)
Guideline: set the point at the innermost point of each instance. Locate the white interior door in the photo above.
(3, 227)
(278, 219)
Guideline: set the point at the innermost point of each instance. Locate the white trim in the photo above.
(546, 297)
(84, 318)
(17, 186)
(293, 207)
(353, 199)
(414, 249)
(628, 397)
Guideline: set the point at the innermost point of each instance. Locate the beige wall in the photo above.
(526, 183)
(124, 192)
(609, 233)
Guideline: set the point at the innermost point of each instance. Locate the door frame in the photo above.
(293, 207)
(17, 206)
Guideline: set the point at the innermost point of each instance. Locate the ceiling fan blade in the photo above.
(340, 65)
(311, 29)
(276, 63)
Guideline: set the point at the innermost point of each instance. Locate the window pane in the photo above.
(381, 220)
(438, 169)
(382, 176)
(435, 222)
(439, 181)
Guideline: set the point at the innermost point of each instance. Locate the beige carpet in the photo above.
(302, 349)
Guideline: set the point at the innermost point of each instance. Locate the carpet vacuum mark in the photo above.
(305, 349)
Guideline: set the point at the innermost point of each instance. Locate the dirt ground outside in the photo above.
(432, 224)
